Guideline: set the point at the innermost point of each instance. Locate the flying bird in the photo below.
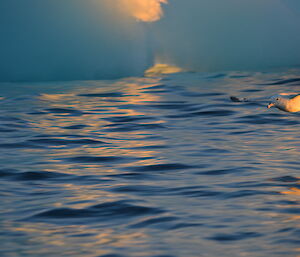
(288, 102)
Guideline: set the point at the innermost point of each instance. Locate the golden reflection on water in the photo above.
(55, 97)
(91, 241)
(161, 69)
(92, 113)
(84, 196)
(294, 191)
(92, 110)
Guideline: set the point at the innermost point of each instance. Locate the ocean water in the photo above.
(160, 167)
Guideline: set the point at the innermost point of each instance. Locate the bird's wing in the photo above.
(252, 100)
(296, 98)
(260, 101)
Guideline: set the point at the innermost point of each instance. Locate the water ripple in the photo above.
(235, 236)
(284, 81)
(154, 167)
(94, 159)
(162, 167)
(58, 141)
(111, 210)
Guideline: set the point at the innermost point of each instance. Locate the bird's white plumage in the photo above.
(286, 104)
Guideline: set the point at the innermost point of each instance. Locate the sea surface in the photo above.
(150, 167)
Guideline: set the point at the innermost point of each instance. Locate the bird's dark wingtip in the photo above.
(234, 99)
(239, 100)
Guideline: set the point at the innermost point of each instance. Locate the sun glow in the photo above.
(161, 69)
(144, 10)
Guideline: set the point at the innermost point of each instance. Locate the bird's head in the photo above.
(278, 102)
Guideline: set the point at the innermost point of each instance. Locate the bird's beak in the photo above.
(271, 105)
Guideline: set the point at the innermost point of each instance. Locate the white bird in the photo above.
(288, 102)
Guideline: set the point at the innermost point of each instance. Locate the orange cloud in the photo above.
(144, 10)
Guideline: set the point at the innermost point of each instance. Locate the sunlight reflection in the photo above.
(292, 191)
(83, 196)
(54, 97)
(144, 10)
(93, 120)
(83, 238)
(161, 69)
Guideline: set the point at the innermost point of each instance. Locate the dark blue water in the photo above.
(158, 167)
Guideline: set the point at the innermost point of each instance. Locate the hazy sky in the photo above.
(99, 39)
(213, 35)
(69, 39)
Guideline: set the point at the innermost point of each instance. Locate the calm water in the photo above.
(160, 167)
